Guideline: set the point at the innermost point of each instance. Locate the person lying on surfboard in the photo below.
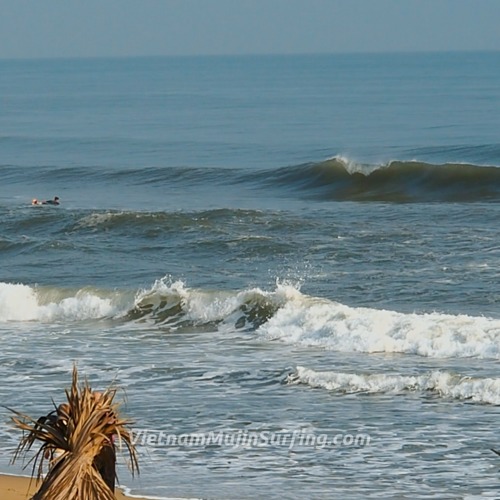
(55, 201)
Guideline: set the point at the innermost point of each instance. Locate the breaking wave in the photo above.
(441, 383)
(167, 303)
(339, 179)
(280, 315)
(313, 322)
(19, 302)
(335, 179)
(175, 305)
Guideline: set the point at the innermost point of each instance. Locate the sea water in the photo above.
(289, 265)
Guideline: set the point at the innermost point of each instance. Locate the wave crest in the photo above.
(339, 179)
(173, 304)
(442, 383)
(314, 322)
(283, 314)
(20, 302)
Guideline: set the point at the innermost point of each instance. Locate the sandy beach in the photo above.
(19, 488)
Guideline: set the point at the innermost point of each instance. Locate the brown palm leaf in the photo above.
(78, 441)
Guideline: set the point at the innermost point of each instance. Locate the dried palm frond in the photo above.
(78, 441)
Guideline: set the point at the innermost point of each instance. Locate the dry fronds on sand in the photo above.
(78, 442)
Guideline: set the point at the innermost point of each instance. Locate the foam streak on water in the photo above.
(444, 384)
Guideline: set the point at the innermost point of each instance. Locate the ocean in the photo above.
(289, 265)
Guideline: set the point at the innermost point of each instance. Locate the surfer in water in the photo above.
(55, 201)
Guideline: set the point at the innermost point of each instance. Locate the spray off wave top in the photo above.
(339, 179)
(281, 315)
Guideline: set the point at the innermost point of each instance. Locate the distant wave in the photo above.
(339, 179)
(41, 222)
(132, 176)
(281, 315)
(442, 383)
(335, 179)
(217, 229)
(155, 222)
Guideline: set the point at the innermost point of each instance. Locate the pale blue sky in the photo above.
(73, 28)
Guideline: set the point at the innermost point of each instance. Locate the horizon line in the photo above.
(249, 54)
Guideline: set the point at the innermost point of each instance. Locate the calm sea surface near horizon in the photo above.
(288, 264)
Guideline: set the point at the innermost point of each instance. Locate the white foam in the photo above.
(25, 303)
(17, 302)
(446, 384)
(354, 167)
(84, 305)
(313, 322)
(128, 494)
(205, 306)
(297, 318)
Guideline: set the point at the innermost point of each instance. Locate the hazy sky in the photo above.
(67, 28)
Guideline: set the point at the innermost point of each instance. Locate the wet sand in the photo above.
(19, 488)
